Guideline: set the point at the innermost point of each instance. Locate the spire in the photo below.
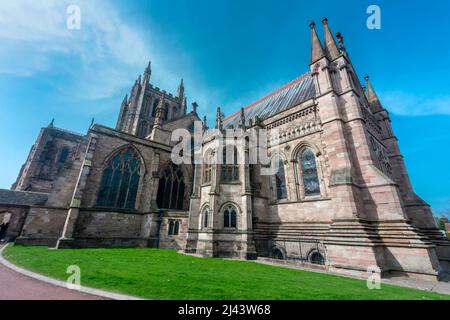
(181, 90)
(316, 46)
(125, 100)
(374, 102)
(219, 124)
(331, 48)
(161, 111)
(148, 72)
(52, 123)
(205, 123)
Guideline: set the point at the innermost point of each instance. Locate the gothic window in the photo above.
(174, 227)
(63, 155)
(207, 170)
(145, 109)
(230, 167)
(120, 181)
(167, 112)
(171, 189)
(174, 112)
(205, 218)
(280, 180)
(230, 217)
(309, 173)
(155, 106)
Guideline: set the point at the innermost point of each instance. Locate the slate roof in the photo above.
(26, 198)
(288, 96)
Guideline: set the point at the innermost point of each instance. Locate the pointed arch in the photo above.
(310, 175)
(172, 188)
(155, 106)
(205, 217)
(230, 213)
(120, 179)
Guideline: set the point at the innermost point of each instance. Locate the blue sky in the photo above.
(230, 53)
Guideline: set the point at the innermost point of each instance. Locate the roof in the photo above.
(12, 197)
(288, 96)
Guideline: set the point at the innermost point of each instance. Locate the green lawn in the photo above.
(166, 274)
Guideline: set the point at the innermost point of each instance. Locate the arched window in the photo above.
(63, 155)
(280, 180)
(309, 173)
(230, 167)
(230, 217)
(165, 115)
(174, 227)
(205, 218)
(120, 181)
(145, 109)
(155, 106)
(171, 189)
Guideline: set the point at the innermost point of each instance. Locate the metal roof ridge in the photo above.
(282, 88)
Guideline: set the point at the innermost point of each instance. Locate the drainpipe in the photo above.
(159, 220)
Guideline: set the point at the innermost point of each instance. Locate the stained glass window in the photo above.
(280, 180)
(120, 181)
(309, 173)
(230, 217)
(171, 189)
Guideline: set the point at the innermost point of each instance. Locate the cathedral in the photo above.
(340, 200)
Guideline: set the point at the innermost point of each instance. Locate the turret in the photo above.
(160, 112)
(374, 102)
(242, 119)
(219, 123)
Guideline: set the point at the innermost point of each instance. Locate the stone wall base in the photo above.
(107, 243)
(43, 242)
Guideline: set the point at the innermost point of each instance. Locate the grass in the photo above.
(166, 274)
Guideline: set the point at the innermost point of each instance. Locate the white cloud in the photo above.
(402, 103)
(96, 60)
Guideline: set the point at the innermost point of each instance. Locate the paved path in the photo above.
(15, 286)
